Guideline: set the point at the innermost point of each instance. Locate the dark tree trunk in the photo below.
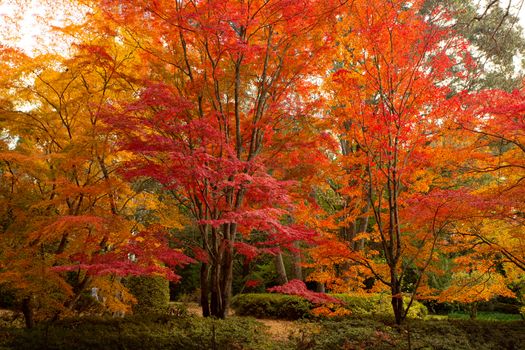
(215, 295)
(397, 300)
(27, 310)
(78, 289)
(205, 289)
(217, 275)
(473, 311)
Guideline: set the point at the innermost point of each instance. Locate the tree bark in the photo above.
(205, 289)
(473, 310)
(27, 310)
(227, 278)
(215, 295)
(280, 268)
(297, 271)
(397, 300)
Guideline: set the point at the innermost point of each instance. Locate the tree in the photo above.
(391, 103)
(225, 82)
(494, 127)
(67, 216)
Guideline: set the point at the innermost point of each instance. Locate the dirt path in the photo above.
(277, 329)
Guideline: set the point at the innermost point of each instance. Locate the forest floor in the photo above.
(157, 332)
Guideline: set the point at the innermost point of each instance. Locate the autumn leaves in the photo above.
(258, 124)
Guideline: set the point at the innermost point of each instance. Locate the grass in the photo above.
(485, 316)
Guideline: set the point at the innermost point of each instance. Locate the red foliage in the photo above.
(146, 253)
(252, 283)
(297, 287)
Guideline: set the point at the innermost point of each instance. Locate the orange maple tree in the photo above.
(391, 107)
(67, 216)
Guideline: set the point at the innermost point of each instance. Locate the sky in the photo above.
(31, 33)
(29, 26)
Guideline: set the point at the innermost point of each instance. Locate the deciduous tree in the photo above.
(228, 84)
(391, 102)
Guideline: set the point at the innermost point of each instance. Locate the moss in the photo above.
(149, 332)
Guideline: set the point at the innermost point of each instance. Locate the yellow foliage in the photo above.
(114, 296)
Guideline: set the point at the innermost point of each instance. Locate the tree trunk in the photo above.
(205, 289)
(297, 271)
(280, 268)
(215, 295)
(27, 310)
(227, 279)
(397, 300)
(473, 310)
(362, 226)
(78, 289)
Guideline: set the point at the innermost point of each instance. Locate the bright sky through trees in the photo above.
(31, 31)
(26, 24)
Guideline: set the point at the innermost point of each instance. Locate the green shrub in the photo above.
(152, 293)
(266, 305)
(378, 305)
(290, 307)
(177, 310)
(497, 306)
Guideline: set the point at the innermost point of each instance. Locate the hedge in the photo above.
(290, 307)
(152, 294)
(266, 305)
(195, 333)
(378, 305)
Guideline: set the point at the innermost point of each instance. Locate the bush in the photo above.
(152, 293)
(140, 332)
(378, 305)
(291, 307)
(264, 305)
(7, 297)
